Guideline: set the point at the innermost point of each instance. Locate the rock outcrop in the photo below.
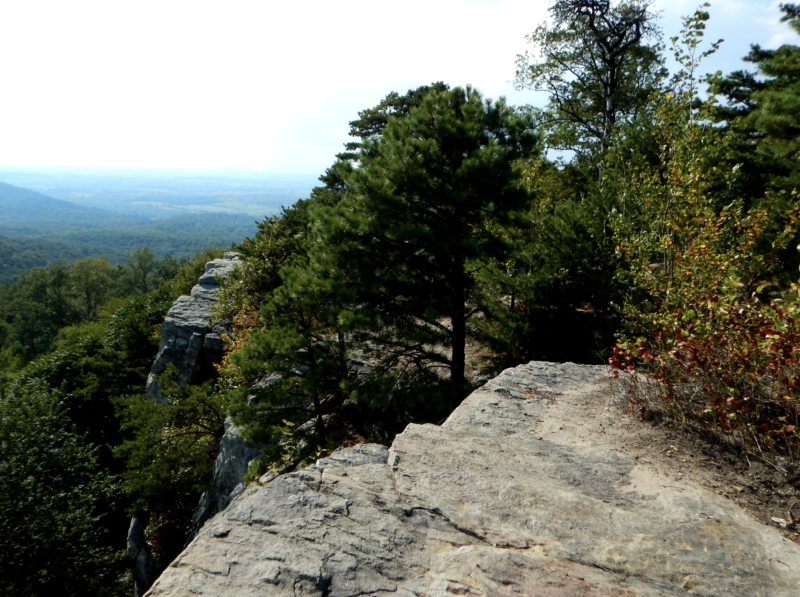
(484, 505)
(187, 339)
(233, 460)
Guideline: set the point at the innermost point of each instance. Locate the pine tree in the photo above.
(762, 119)
(414, 226)
(302, 352)
(777, 112)
(764, 113)
(371, 122)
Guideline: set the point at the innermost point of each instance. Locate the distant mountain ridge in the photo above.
(153, 194)
(24, 211)
(36, 229)
(33, 202)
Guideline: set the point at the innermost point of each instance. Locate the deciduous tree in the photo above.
(52, 495)
(599, 62)
(92, 284)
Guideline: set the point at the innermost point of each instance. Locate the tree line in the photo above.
(49, 304)
(33, 241)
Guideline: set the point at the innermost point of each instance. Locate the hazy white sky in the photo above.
(259, 84)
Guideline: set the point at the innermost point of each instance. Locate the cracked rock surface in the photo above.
(485, 506)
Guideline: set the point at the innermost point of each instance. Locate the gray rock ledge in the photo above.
(186, 338)
(481, 506)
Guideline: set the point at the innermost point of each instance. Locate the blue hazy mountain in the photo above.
(36, 229)
(157, 194)
(25, 212)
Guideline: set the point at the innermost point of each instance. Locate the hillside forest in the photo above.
(443, 244)
(38, 230)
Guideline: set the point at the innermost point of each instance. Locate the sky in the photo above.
(262, 85)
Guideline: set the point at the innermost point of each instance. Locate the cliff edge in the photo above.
(188, 340)
(190, 343)
(497, 501)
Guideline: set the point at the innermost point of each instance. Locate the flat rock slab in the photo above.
(484, 506)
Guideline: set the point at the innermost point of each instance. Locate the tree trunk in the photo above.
(459, 334)
(320, 421)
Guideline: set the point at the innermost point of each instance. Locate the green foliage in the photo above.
(378, 264)
(39, 304)
(170, 451)
(413, 225)
(728, 362)
(141, 271)
(764, 132)
(53, 494)
(96, 349)
(725, 357)
(180, 276)
(82, 373)
(776, 113)
(262, 257)
(92, 285)
(302, 347)
(597, 69)
(57, 301)
(561, 277)
(23, 254)
(282, 238)
(134, 328)
(94, 365)
(371, 122)
(44, 243)
(95, 368)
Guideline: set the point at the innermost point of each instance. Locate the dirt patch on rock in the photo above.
(671, 455)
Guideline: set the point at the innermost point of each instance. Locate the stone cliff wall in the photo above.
(486, 505)
(193, 345)
(233, 461)
(188, 340)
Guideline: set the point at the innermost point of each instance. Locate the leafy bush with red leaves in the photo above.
(732, 364)
(696, 259)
